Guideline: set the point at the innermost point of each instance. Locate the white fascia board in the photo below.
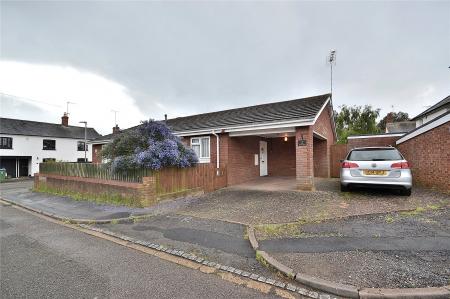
(375, 136)
(263, 126)
(321, 109)
(106, 141)
(428, 126)
(263, 132)
(319, 135)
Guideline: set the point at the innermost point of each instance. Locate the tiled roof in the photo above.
(400, 127)
(10, 126)
(299, 109)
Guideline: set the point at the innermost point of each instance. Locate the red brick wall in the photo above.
(96, 148)
(429, 154)
(281, 156)
(321, 158)
(322, 154)
(303, 158)
(241, 159)
(374, 141)
(141, 194)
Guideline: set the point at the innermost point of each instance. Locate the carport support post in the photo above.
(304, 169)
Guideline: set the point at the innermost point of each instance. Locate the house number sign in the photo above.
(301, 141)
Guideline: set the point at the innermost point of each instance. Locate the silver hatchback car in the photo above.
(376, 167)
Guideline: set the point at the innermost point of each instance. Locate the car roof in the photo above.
(373, 147)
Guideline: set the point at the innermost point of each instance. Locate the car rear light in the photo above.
(400, 165)
(349, 165)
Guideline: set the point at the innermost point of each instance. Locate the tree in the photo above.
(396, 117)
(150, 145)
(355, 120)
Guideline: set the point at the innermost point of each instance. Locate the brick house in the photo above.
(289, 138)
(427, 148)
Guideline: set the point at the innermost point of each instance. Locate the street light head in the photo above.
(83, 122)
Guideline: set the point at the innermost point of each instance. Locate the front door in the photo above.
(262, 158)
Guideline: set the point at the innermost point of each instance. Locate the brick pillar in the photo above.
(304, 169)
(148, 191)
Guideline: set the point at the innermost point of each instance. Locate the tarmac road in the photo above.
(43, 259)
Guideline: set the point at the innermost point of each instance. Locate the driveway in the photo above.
(252, 206)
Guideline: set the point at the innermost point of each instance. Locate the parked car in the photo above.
(382, 167)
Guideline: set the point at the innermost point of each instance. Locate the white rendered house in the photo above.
(24, 144)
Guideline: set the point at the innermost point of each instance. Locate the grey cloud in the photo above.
(197, 56)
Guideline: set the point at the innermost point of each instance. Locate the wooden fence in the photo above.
(96, 171)
(201, 176)
(165, 182)
(338, 152)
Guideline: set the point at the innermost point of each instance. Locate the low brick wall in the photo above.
(137, 194)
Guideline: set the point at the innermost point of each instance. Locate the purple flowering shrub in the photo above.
(150, 145)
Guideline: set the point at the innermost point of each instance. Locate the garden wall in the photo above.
(166, 183)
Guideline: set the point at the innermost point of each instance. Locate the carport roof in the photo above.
(298, 109)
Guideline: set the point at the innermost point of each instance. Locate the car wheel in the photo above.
(406, 192)
(344, 188)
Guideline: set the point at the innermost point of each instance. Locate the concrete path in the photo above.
(20, 192)
(41, 259)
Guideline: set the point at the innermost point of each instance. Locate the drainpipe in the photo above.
(217, 152)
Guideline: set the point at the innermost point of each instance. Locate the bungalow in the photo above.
(289, 138)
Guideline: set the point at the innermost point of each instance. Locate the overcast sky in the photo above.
(146, 59)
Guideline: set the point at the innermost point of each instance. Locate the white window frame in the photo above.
(203, 159)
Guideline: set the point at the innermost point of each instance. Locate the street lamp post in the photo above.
(85, 139)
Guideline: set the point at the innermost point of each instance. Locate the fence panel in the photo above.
(338, 152)
(97, 171)
(202, 176)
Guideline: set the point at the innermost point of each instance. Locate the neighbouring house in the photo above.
(24, 144)
(427, 147)
(99, 142)
(289, 138)
(434, 111)
(400, 127)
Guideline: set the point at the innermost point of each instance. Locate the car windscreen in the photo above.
(374, 155)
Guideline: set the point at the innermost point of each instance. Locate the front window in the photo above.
(6, 143)
(200, 145)
(49, 145)
(80, 146)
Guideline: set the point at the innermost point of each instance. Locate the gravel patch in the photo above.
(260, 207)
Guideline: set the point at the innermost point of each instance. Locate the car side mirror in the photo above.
(342, 160)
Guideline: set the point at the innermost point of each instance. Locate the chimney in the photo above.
(116, 129)
(165, 116)
(65, 120)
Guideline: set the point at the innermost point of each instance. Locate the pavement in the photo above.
(218, 241)
(65, 207)
(43, 259)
